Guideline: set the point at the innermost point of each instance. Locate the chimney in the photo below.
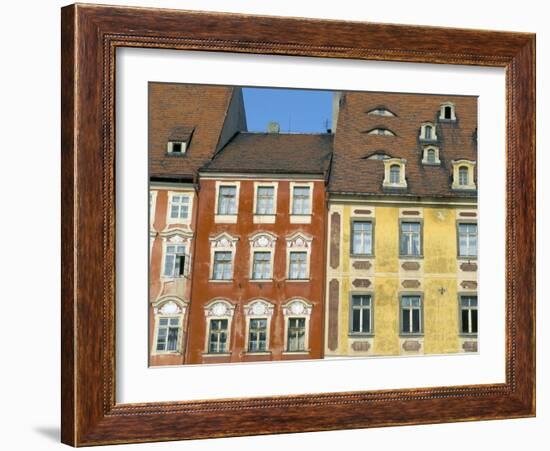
(273, 127)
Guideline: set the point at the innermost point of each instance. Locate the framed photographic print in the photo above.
(279, 225)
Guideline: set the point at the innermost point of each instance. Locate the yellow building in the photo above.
(402, 226)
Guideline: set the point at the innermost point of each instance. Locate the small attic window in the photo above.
(381, 131)
(381, 111)
(177, 147)
(377, 156)
(427, 132)
(431, 156)
(447, 112)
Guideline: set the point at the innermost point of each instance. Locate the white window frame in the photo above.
(168, 307)
(370, 294)
(175, 237)
(268, 218)
(262, 242)
(297, 308)
(218, 309)
(388, 163)
(190, 196)
(298, 242)
(410, 255)
(425, 159)
(470, 165)
(227, 218)
(258, 309)
(459, 253)
(442, 111)
(402, 332)
(152, 208)
(469, 308)
(222, 242)
(301, 218)
(170, 147)
(422, 135)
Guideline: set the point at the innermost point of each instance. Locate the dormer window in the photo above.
(447, 112)
(177, 147)
(381, 111)
(427, 132)
(394, 173)
(380, 155)
(431, 156)
(381, 131)
(463, 175)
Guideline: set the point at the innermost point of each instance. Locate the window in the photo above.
(467, 240)
(428, 132)
(381, 111)
(298, 266)
(257, 335)
(168, 333)
(377, 156)
(362, 237)
(430, 156)
(265, 200)
(381, 132)
(227, 203)
(410, 243)
(179, 206)
(261, 268)
(361, 314)
(301, 200)
(463, 175)
(411, 315)
(217, 337)
(296, 338)
(468, 314)
(447, 112)
(395, 171)
(223, 267)
(177, 147)
(175, 261)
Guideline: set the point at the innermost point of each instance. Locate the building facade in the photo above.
(402, 226)
(258, 283)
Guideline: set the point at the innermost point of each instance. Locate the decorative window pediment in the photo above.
(297, 307)
(224, 241)
(177, 235)
(219, 308)
(378, 155)
(259, 307)
(169, 305)
(299, 240)
(264, 240)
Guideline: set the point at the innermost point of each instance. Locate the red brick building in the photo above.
(187, 124)
(257, 284)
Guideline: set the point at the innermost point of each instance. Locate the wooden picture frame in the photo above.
(90, 36)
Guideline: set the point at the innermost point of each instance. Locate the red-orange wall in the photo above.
(240, 291)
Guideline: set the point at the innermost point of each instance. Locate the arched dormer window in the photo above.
(394, 173)
(463, 175)
(378, 155)
(381, 111)
(447, 112)
(427, 132)
(431, 156)
(381, 131)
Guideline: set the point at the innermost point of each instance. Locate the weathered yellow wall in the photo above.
(438, 278)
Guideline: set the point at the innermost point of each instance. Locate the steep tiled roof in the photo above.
(194, 113)
(352, 172)
(274, 153)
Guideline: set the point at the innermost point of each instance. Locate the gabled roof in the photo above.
(351, 172)
(204, 116)
(274, 153)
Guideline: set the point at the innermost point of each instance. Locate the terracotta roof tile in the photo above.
(352, 172)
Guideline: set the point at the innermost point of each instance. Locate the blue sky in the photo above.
(296, 110)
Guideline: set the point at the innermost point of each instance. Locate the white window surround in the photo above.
(190, 196)
(152, 208)
(176, 237)
(426, 160)
(168, 307)
(401, 162)
(219, 308)
(298, 242)
(258, 309)
(223, 242)
(422, 135)
(170, 146)
(442, 111)
(226, 218)
(262, 242)
(152, 236)
(300, 218)
(297, 308)
(470, 165)
(265, 218)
